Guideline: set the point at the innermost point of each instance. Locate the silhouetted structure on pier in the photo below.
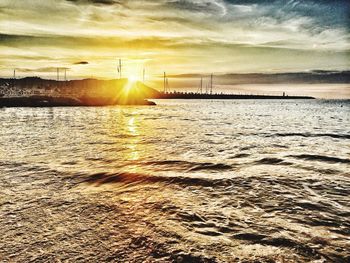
(193, 95)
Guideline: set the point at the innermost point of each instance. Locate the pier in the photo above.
(207, 96)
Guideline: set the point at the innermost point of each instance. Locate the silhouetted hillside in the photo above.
(86, 91)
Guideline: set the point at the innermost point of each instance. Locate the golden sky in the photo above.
(177, 36)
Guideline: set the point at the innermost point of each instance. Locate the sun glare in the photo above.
(133, 72)
(133, 78)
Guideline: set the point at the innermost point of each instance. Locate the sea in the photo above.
(182, 181)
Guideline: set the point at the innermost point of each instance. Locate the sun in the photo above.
(134, 73)
(133, 78)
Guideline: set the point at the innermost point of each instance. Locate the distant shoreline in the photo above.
(37, 92)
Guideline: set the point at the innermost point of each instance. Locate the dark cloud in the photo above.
(81, 63)
(97, 2)
(281, 2)
(72, 42)
(324, 13)
(315, 16)
(192, 6)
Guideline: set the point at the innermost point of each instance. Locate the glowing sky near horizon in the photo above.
(177, 36)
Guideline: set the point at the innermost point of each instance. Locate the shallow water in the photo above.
(184, 181)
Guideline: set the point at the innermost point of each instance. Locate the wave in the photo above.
(293, 134)
(126, 177)
(12, 163)
(100, 143)
(280, 241)
(189, 166)
(211, 166)
(317, 169)
(239, 155)
(303, 249)
(321, 158)
(272, 161)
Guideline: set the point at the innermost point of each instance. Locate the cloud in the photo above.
(43, 70)
(81, 63)
(181, 35)
(71, 42)
(98, 2)
(196, 6)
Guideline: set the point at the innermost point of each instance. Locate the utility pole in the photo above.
(164, 82)
(120, 68)
(14, 78)
(167, 85)
(211, 84)
(201, 84)
(118, 71)
(58, 77)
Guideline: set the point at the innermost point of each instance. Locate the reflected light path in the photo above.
(133, 144)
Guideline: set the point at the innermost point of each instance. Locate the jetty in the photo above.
(208, 96)
(208, 93)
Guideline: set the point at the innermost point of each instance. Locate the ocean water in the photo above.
(183, 181)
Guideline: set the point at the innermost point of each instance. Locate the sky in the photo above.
(87, 37)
